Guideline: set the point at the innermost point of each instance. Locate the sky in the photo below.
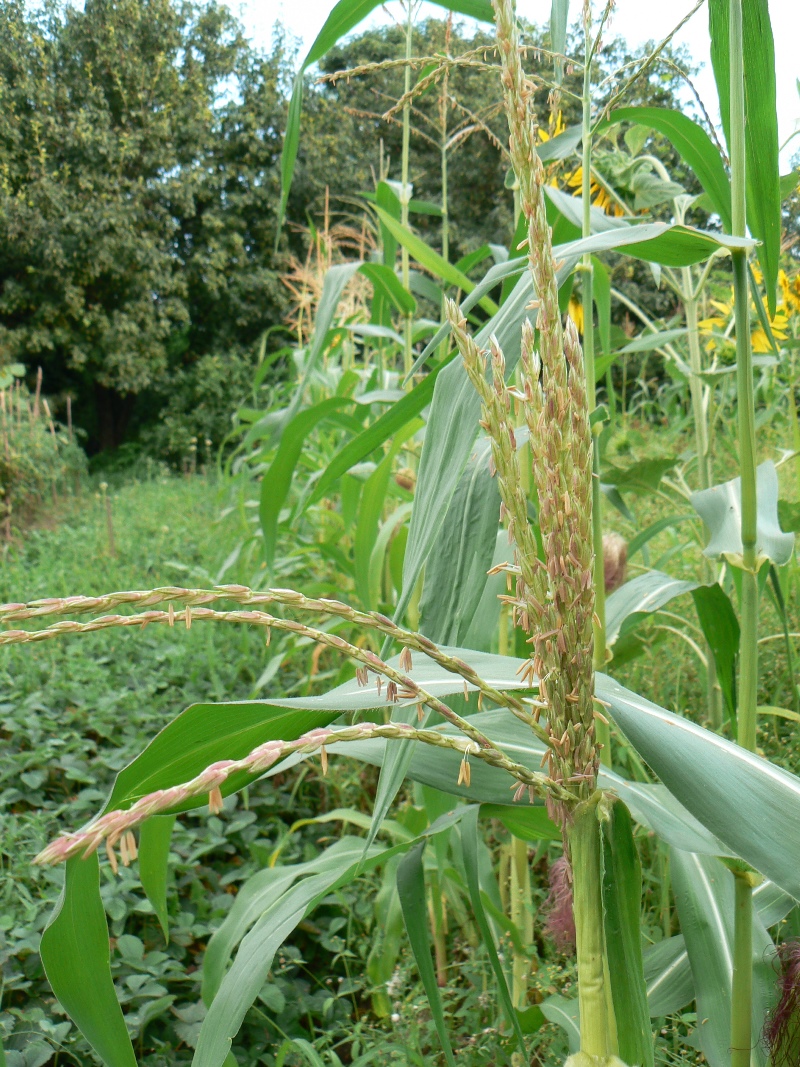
(637, 20)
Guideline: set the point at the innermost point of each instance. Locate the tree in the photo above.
(126, 203)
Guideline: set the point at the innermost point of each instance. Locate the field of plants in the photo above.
(446, 710)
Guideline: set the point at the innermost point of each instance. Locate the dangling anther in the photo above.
(464, 773)
(112, 857)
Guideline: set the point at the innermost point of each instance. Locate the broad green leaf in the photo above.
(761, 124)
(667, 971)
(373, 499)
(277, 481)
(388, 931)
(260, 893)
(528, 822)
(646, 342)
(561, 146)
(671, 245)
(651, 805)
(622, 902)
(637, 543)
(431, 260)
(642, 595)
(704, 894)
(398, 416)
(243, 981)
(455, 572)
(720, 508)
(452, 430)
(668, 976)
(384, 279)
(564, 1013)
(76, 958)
(721, 630)
(712, 777)
(205, 733)
(644, 474)
(692, 144)
(469, 845)
(154, 839)
(335, 281)
(771, 903)
(472, 259)
(413, 900)
(559, 16)
(377, 556)
(386, 197)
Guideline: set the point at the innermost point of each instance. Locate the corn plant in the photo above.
(537, 749)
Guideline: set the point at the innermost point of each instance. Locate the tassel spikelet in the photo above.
(553, 597)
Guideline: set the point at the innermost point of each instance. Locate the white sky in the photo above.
(636, 20)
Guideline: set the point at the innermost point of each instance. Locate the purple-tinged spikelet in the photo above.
(782, 1029)
(560, 921)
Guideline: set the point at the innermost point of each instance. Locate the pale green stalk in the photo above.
(444, 100)
(704, 476)
(405, 193)
(522, 918)
(599, 629)
(741, 993)
(584, 841)
(742, 985)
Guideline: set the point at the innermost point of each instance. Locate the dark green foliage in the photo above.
(138, 140)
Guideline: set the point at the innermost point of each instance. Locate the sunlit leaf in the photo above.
(720, 508)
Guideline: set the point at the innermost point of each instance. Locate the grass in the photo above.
(73, 712)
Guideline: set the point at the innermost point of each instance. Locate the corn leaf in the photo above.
(720, 508)
(622, 902)
(469, 844)
(559, 16)
(277, 480)
(76, 958)
(761, 124)
(692, 144)
(398, 416)
(637, 598)
(455, 572)
(430, 259)
(154, 839)
(712, 777)
(721, 630)
(704, 895)
(205, 733)
(668, 976)
(260, 893)
(243, 981)
(413, 900)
